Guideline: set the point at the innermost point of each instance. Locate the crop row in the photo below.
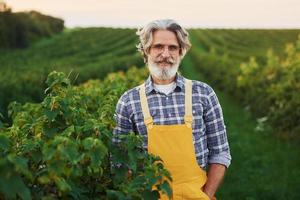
(266, 83)
(88, 53)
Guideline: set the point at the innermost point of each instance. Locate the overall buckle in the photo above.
(188, 120)
(148, 122)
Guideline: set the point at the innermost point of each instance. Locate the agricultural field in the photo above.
(87, 53)
(63, 120)
(261, 68)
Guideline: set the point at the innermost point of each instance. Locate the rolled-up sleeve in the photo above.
(123, 122)
(217, 142)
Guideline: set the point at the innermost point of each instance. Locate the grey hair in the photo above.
(146, 36)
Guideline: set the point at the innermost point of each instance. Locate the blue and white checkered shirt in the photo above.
(209, 133)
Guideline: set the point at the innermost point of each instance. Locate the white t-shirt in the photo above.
(166, 89)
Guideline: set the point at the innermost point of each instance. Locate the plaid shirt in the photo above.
(209, 133)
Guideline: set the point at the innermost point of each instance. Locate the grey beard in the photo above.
(163, 73)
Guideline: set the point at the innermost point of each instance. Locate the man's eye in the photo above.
(158, 46)
(173, 48)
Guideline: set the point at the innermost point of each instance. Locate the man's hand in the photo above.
(214, 178)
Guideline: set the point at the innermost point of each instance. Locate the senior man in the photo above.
(181, 120)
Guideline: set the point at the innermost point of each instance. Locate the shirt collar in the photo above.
(179, 80)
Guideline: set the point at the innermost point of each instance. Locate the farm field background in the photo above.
(262, 124)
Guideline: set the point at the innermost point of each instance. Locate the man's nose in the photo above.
(165, 53)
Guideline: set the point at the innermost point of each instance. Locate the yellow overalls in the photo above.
(174, 145)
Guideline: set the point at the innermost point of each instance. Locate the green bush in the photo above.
(267, 84)
(272, 90)
(62, 147)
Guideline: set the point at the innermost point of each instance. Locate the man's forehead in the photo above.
(164, 36)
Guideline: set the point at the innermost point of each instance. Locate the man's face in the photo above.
(164, 56)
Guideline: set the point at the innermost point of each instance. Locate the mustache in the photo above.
(169, 61)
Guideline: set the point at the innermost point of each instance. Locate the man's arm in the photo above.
(215, 176)
(121, 116)
(219, 157)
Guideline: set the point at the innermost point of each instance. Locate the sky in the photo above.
(189, 13)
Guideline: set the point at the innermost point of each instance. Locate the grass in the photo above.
(263, 166)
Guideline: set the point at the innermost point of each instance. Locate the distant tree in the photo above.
(18, 30)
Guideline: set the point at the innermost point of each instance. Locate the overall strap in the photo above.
(188, 117)
(144, 103)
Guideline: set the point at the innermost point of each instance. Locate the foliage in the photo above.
(88, 53)
(62, 147)
(273, 89)
(92, 53)
(267, 84)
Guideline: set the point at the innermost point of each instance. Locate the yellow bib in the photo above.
(174, 145)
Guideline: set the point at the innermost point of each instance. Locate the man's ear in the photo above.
(145, 55)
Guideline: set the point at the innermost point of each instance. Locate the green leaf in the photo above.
(88, 143)
(165, 188)
(98, 153)
(138, 181)
(152, 179)
(48, 152)
(11, 185)
(69, 150)
(56, 78)
(50, 131)
(29, 145)
(62, 185)
(115, 195)
(37, 156)
(89, 125)
(69, 131)
(51, 114)
(4, 142)
(150, 195)
(1, 117)
(13, 109)
(44, 179)
(20, 164)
